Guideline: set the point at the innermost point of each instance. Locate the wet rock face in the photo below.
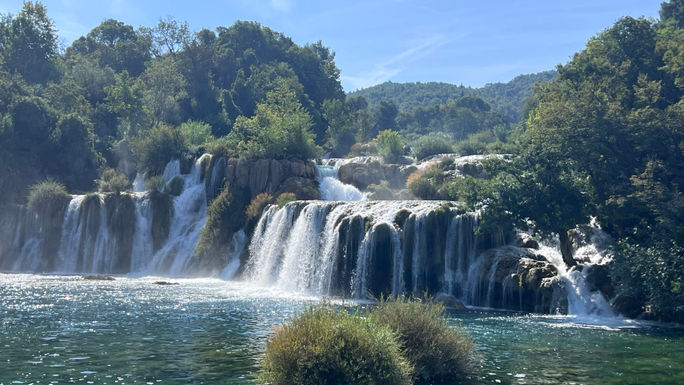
(627, 305)
(598, 278)
(263, 175)
(361, 175)
(517, 279)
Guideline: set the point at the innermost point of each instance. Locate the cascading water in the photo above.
(582, 301)
(140, 232)
(331, 188)
(364, 249)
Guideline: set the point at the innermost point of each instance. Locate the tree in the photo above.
(341, 135)
(279, 128)
(29, 44)
(390, 145)
(113, 44)
(168, 37)
(385, 116)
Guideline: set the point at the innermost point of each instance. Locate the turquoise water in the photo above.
(62, 329)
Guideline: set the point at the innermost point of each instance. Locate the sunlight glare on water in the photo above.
(63, 329)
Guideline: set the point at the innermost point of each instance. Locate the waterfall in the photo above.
(362, 249)
(331, 188)
(582, 301)
(139, 232)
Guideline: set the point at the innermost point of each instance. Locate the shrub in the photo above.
(113, 181)
(380, 191)
(175, 186)
(475, 144)
(390, 145)
(431, 145)
(438, 353)
(196, 133)
(421, 183)
(47, 196)
(364, 149)
(161, 144)
(155, 183)
(327, 346)
(256, 207)
(285, 198)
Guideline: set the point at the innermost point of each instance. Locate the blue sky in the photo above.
(461, 42)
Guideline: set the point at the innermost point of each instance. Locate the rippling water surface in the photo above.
(62, 329)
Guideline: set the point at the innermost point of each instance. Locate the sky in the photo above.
(471, 42)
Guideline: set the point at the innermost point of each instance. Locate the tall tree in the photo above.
(29, 44)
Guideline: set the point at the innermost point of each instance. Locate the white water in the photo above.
(189, 215)
(582, 302)
(332, 189)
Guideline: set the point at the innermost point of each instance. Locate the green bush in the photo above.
(256, 207)
(476, 144)
(439, 354)
(431, 145)
(112, 181)
(420, 185)
(364, 149)
(47, 196)
(327, 346)
(155, 183)
(161, 145)
(285, 198)
(390, 145)
(196, 133)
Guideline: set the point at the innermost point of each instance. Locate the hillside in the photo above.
(508, 98)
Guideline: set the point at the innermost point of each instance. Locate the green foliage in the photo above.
(438, 353)
(475, 144)
(280, 128)
(508, 98)
(431, 145)
(155, 183)
(113, 181)
(341, 131)
(364, 149)
(422, 183)
(196, 133)
(654, 272)
(159, 146)
(48, 196)
(390, 145)
(67, 115)
(331, 346)
(285, 198)
(256, 207)
(29, 44)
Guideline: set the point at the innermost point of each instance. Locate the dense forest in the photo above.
(131, 99)
(508, 98)
(601, 137)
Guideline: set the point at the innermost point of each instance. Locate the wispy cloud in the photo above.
(281, 5)
(396, 64)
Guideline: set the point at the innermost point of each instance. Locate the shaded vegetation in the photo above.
(438, 353)
(330, 346)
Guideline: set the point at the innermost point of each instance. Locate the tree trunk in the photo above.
(566, 248)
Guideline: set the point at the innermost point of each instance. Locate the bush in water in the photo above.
(439, 354)
(47, 196)
(327, 346)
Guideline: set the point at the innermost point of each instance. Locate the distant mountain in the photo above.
(508, 98)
